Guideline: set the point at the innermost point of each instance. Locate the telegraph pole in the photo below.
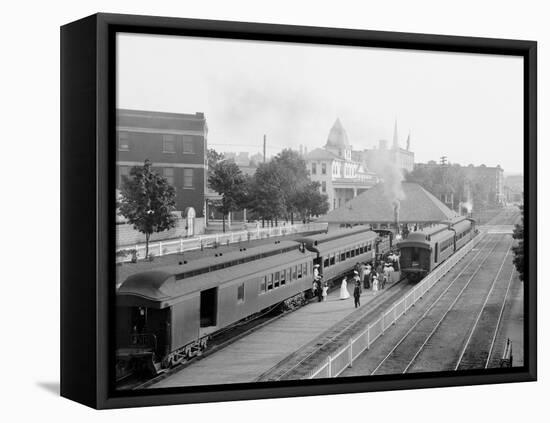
(264, 146)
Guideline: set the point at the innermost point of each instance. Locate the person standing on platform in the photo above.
(357, 294)
(344, 294)
(325, 291)
(375, 282)
(367, 276)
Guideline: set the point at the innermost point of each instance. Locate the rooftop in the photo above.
(337, 137)
(374, 206)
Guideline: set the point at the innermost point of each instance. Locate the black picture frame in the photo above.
(87, 180)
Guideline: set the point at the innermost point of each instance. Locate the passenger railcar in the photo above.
(339, 251)
(171, 311)
(424, 250)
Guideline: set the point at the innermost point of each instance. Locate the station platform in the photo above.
(247, 358)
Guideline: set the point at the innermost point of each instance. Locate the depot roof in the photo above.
(375, 206)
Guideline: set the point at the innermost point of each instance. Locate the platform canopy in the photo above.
(375, 206)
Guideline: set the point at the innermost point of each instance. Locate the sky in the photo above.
(468, 107)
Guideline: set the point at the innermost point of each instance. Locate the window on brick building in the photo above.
(123, 141)
(188, 145)
(313, 168)
(168, 143)
(324, 168)
(168, 173)
(123, 171)
(323, 186)
(188, 178)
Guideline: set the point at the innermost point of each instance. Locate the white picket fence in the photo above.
(344, 357)
(161, 248)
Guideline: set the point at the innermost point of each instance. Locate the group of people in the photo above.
(320, 287)
(369, 275)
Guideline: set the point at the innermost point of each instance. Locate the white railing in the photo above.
(161, 248)
(343, 358)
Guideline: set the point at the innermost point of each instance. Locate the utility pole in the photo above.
(264, 146)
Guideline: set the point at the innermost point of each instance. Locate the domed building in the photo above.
(341, 178)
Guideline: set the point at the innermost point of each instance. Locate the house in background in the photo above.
(341, 177)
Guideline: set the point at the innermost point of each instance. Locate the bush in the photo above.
(126, 253)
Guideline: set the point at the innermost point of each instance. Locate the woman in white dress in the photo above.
(375, 283)
(344, 294)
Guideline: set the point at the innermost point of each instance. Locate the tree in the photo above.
(213, 157)
(266, 192)
(147, 201)
(227, 180)
(310, 202)
(293, 176)
(519, 257)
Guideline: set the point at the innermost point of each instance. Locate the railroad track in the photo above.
(432, 338)
(301, 362)
(479, 349)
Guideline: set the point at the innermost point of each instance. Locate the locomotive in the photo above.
(424, 250)
(167, 315)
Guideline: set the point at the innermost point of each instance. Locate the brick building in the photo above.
(175, 144)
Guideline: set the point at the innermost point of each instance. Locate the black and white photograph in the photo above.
(294, 211)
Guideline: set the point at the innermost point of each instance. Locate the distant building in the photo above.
(403, 158)
(492, 179)
(241, 158)
(341, 177)
(175, 144)
(513, 188)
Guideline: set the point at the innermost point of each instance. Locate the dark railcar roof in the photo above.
(159, 288)
(348, 241)
(334, 234)
(426, 236)
(228, 259)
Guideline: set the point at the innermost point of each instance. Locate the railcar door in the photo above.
(209, 307)
(436, 251)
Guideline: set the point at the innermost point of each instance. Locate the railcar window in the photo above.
(305, 268)
(326, 263)
(276, 280)
(342, 256)
(263, 284)
(333, 260)
(299, 271)
(240, 293)
(357, 251)
(295, 273)
(283, 277)
(348, 254)
(289, 274)
(270, 282)
(369, 246)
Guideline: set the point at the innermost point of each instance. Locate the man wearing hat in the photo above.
(317, 281)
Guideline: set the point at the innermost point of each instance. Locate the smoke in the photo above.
(391, 175)
(468, 204)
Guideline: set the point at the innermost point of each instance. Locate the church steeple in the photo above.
(409, 141)
(395, 136)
